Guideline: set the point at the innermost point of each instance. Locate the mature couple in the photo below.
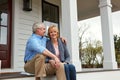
(48, 56)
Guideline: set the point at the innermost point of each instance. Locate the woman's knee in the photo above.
(71, 66)
(61, 65)
(66, 65)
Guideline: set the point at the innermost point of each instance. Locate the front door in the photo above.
(5, 33)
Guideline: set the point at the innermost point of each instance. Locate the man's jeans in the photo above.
(70, 71)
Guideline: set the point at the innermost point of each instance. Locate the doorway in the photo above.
(5, 33)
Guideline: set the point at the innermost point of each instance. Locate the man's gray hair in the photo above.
(36, 25)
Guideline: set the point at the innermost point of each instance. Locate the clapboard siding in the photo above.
(24, 32)
(28, 17)
(35, 9)
(23, 29)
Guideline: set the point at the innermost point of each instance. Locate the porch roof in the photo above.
(90, 8)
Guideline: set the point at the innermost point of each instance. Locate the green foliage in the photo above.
(117, 48)
(117, 42)
(90, 53)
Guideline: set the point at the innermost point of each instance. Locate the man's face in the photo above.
(41, 31)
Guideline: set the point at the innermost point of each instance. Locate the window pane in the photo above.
(3, 35)
(4, 19)
(50, 12)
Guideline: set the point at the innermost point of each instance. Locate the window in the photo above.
(50, 14)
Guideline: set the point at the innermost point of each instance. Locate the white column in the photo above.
(107, 35)
(69, 30)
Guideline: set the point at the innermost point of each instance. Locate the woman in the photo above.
(56, 46)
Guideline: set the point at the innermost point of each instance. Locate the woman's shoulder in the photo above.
(60, 41)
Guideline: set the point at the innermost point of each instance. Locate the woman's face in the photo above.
(53, 33)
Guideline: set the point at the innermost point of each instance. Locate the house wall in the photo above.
(22, 29)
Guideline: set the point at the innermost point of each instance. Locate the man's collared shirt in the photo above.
(36, 44)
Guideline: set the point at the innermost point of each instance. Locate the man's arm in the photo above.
(49, 54)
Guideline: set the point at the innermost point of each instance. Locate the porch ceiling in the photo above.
(89, 8)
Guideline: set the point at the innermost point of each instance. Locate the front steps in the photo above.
(84, 75)
(21, 76)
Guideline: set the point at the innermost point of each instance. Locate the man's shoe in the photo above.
(37, 78)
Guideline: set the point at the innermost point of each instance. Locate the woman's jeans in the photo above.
(70, 71)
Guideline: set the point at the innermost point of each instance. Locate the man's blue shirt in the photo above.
(36, 44)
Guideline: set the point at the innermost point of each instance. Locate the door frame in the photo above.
(10, 30)
(7, 62)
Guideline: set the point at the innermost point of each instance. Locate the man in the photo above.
(35, 55)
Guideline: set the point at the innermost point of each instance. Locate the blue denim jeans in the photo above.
(70, 71)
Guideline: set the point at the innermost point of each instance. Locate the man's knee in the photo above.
(29, 68)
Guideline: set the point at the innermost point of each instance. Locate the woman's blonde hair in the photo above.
(53, 27)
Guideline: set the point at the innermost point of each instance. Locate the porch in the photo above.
(85, 75)
(23, 20)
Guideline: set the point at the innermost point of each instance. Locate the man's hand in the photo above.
(63, 40)
(57, 62)
(51, 55)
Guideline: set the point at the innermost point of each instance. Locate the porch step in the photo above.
(10, 75)
(21, 76)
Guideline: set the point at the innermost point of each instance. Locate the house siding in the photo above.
(22, 22)
(22, 27)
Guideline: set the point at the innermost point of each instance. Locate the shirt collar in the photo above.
(38, 36)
